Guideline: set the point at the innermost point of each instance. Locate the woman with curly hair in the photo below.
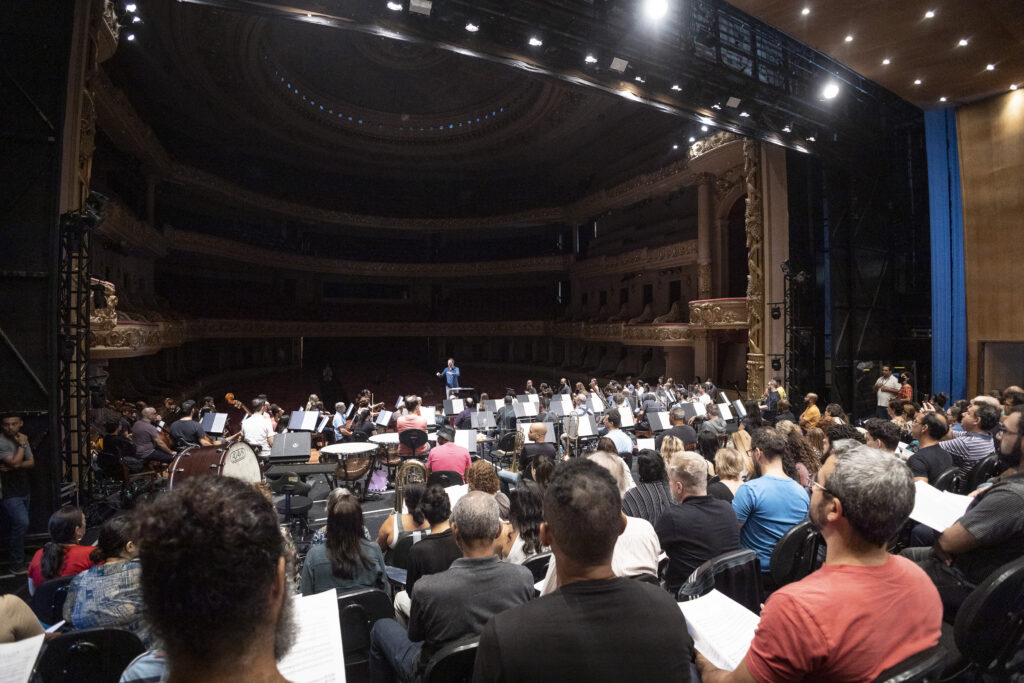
(521, 540)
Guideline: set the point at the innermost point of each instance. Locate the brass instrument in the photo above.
(517, 451)
(571, 438)
(410, 472)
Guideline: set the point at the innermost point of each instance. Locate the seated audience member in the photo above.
(17, 620)
(707, 447)
(741, 442)
(931, 460)
(864, 610)
(534, 447)
(682, 431)
(816, 438)
(347, 560)
(110, 594)
(768, 506)
(61, 556)
(990, 534)
(521, 541)
(411, 420)
(448, 455)
(698, 527)
(455, 603)
(607, 459)
(637, 548)
(785, 412)
(883, 435)
(436, 551)
(648, 499)
(542, 469)
(974, 443)
(809, 418)
(186, 431)
(839, 432)
(729, 464)
(215, 581)
(596, 627)
(149, 441)
(481, 476)
(398, 525)
(672, 446)
(805, 460)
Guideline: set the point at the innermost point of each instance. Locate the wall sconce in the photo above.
(776, 364)
(776, 312)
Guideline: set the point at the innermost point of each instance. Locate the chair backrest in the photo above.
(412, 438)
(924, 666)
(445, 478)
(453, 663)
(359, 437)
(110, 465)
(538, 565)
(289, 483)
(400, 553)
(97, 655)
(736, 574)
(981, 472)
(507, 442)
(989, 627)
(358, 611)
(796, 554)
(947, 480)
(48, 601)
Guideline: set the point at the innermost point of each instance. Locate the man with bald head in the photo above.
(534, 447)
(149, 442)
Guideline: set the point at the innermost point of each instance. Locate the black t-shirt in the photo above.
(693, 532)
(434, 553)
(684, 433)
(186, 433)
(610, 630)
(720, 491)
(930, 461)
(531, 451)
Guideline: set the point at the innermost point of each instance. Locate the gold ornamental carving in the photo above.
(719, 314)
(711, 143)
(668, 256)
(755, 266)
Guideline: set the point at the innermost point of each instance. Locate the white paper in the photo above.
(466, 438)
(724, 411)
(534, 398)
(626, 417)
(643, 444)
(317, 655)
(701, 410)
(937, 509)
(457, 405)
(722, 628)
(19, 657)
(429, 413)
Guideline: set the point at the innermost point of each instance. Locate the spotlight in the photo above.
(675, 146)
(930, 14)
(990, 67)
(811, 139)
(704, 129)
(886, 62)
(942, 99)
(655, 9)
(136, 20)
(131, 7)
(395, 6)
(693, 139)
(535, 41)
(1013, 86)
(640, 79)
(805, 11)
(962, 43)
(590, 59)
(849, 39)
(676, 88)
(471, 27)
(131, 36)
(830, 90)
(917, 81)
(787, 129)
(776, 364)
(776, 312)
(744, 115)
(716, 106)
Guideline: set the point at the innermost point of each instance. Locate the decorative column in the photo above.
(755, 268)
(705, 351)
(720, 258)
(705, 201)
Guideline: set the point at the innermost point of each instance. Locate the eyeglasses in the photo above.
(814, 482)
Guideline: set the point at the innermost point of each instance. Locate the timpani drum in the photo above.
(235, 460)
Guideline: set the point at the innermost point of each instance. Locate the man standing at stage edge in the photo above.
(15, 459)
(886, 388)
(451, 377)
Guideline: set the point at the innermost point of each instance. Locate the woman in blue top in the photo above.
(347, 560)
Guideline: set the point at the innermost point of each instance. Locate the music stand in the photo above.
(689, 409)
(741, 412)
(494, 404)
(643, 444)
(659, 422)
(525, 409)
(721, 395)
(323, 423)
(701, 409)
(303, 420)
(627, 417)
(466, 438)
(215, 423)
(587, 426)
(596, 403)
(724, 411)
(453, 406)
(348, 413)
(429, 413)
(482, 420)
(399, 402)
(383, 418)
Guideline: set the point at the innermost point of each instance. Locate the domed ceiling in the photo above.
(354, 122)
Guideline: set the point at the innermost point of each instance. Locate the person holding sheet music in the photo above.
(451, 378)
(862, 612)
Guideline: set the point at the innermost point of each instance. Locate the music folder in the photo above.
(383, 418)
(741, 412)
(525, 409)
(398, 403)
(303, 420)
(721, 395)
(466, 438)
(453, 406)
(724, 411)
(549, 437)
(214, 423)
(482, 420)
(627, 416)
(291, 447)
(659, 421)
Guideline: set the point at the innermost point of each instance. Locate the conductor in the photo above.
(451, 377)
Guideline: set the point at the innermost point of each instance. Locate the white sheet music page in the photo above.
(18, 659)
(937, 509)
(643, 444)
(722, 628)
(317, 655)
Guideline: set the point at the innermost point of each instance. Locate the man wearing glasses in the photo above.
(865, 610)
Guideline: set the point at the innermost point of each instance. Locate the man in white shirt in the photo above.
(256, 428)
(703, 396)
(886, 387)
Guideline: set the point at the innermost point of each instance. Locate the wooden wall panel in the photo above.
(991, 136)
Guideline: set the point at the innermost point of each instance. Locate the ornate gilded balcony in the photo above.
(719, 314)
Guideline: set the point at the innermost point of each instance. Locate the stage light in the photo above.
(787, 129)
(744, 115)
(655, 9)
(942, 99)
(886, 62)
(849, 38)
(704, 129)
(471, 27)
(590, 59)
(693, 139)
(535, 41)
(990, 67)
(716, 106)
(676, 88)
(675, 146)
(830, 91)
(136, 20)
(639, 79)
(962, 43)
(1013, 86)
(394, 6)
(930, 14)
(776, 364)
(805, 11)
(131, 7)
(811, 139)
(917, 81)
(131, 36)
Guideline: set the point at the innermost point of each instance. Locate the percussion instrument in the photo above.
(342, 451)
(391, 438)
(235, 460)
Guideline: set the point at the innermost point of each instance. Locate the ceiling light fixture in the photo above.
(930, 14)
(716, 106)
(693, 139)
(131, 7)
(990, 67)
(639, 79)
(787, 129)
(676, 87)
(811, 139)
(704, 129)
(136, 20)
(744, 114)
(655, 9)
(942, 99)
(394, 6)
(471, 27)
(619, 64)
(962, 43)
(131, 36)
(917, 81)
(1013, 86)
(805, 11)
(675, 146)
(849, 38)
(535, 41)
(830, 90)
(886, 62)
(590, 59)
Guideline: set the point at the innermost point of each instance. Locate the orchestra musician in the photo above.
(256, 428)
(150, 442)
(186, 432)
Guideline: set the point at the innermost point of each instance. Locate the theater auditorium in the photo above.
(548, 340)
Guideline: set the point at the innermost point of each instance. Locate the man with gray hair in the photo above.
(679, 429)
(865, 610)
(456, 603)
(698, 527)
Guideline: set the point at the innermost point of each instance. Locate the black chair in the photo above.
(359, 437)
(947, 480)
(445, 478)
(796, 554)
(982, 472)
(505, 448)
(736, 574)
(296, 505)
(48, 601)
(97, 655)
(453, 663)
(538, 565)
(412, 439)
(358, 611)
(989, 626)
(923, 667)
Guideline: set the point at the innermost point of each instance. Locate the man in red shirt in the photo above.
(411, 420)
(448, 455)
(865, 610)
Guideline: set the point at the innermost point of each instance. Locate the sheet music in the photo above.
(317, 655)
(937, 509)
(383, 417)
(19, 658)
(740, 410)
(323, 423)
(722, 628)
(721, 395)
(430, 414)
(627, 417)
(534, 398)
(457, 405)
(348, 413)
(642, 444)
(526, 409)
(724, 411)
(466, 438)
(214, 423)
(398, 403)
(701, 410)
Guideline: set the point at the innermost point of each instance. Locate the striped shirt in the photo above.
(647, 501)
(968, 449)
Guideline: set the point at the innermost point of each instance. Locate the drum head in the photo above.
(240, 462)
